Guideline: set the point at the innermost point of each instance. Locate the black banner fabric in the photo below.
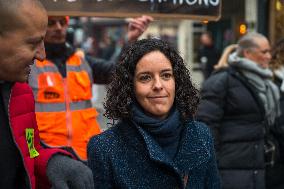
(182, 9)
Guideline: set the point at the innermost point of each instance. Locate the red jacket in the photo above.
(22, 116)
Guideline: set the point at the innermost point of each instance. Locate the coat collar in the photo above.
(192, 152)
(194, 149)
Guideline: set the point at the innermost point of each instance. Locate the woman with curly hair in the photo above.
(156, 143)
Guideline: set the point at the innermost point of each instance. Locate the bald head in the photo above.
(22, 29)
(11, 13)
(249, 41)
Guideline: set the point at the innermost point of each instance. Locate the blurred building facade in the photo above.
(276, 20)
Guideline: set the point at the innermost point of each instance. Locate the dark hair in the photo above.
(277, 55)
(120, 92)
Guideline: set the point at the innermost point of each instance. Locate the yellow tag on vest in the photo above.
(30, 142)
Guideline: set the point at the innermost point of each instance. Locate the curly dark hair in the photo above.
(120, 92)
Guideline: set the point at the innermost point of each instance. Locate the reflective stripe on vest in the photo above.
(63, 105)
(60, 107)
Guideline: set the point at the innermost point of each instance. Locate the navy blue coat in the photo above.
(127, 157)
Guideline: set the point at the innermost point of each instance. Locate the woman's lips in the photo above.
(157, 98)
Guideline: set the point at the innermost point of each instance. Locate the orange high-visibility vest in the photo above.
(64, 111)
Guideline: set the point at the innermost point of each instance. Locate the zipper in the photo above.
(68, 113)
(30, 184)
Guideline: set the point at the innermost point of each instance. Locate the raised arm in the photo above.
(137, 26)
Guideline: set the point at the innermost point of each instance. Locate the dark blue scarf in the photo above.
(165, 132)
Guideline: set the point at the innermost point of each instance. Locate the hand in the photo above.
(223, 61)
(66, 173)
(137, 26)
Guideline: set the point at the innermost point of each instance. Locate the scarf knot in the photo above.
(165, 132)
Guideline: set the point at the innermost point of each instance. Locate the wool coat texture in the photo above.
(126, 156)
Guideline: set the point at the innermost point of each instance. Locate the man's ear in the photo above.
(247, 53)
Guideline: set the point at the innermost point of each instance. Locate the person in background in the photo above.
(223, 61)
(208, 55)
(24, 163)
(277, 67)
(240, 103)
(106, 47)
(156, 142)
(62, 86)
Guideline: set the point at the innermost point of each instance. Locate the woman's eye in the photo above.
(167, 75)
(145, 78)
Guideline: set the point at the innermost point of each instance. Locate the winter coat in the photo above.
(126, 156)
(231, 108)
(19, 102)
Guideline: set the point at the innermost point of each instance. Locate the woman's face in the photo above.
(154, 84)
